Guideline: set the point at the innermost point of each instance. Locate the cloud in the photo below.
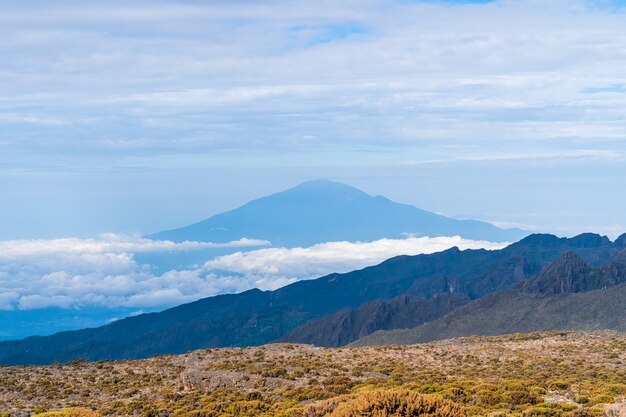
(325, 258)
(247, 77)
(8, 300)
(108, 243)
(102, 272)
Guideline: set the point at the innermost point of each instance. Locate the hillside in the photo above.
(325, 211)
(257, 317)
(514, 311)
(345, 326)
(558, 374)
(567, 295)
(569, 271)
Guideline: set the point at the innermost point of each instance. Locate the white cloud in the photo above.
(79, 273)
(108, 244)
(325, 258)
(36, 301)
(418, 71)
(8, 299)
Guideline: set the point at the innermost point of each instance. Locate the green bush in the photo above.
(601, 399)
(488, 398)
(585, 412)
(558, 385)
(521, 398)
(541, 412)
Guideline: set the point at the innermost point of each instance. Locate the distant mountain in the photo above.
(567, 295)
(401, 291)
(324, 211)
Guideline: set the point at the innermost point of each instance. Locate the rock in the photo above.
(615, 410)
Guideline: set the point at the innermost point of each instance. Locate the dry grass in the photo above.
(554, 374)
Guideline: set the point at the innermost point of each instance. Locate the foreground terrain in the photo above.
(549, 374)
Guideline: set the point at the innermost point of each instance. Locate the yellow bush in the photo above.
(386, 403)
(70, 412)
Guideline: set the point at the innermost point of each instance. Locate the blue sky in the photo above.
(135, 116)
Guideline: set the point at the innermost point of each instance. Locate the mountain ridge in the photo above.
(567, 295)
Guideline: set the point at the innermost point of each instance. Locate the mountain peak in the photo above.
(589, 240)
(582, 241)
(540, 239)
(325, 188)
(565, 275)
(322, 182)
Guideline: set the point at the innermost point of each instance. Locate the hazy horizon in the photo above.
(135, 117)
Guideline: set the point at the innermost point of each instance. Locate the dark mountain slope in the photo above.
(570, 273)
(568, 295)
(510, 266)
(256, 317)
(324, 211)
(346, 326)
(513, 312)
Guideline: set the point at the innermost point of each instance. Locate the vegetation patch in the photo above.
(553, 374)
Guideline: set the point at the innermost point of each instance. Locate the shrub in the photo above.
(558, 385)
(69, 412)
(585, 412)
(386, 403)
(488, 398)
(601, 399)
(521, 398)
(541, 412)
(581, 399)
(455, 394)
(201, 413)
(275, 372)
(430, 388)
(338, 384)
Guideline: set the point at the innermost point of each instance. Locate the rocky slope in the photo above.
(567, 295)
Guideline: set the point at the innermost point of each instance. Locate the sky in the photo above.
(124, 118)
(134, 117)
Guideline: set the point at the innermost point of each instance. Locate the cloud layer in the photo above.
(251, 78)
(314, 261)
(82, 273)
